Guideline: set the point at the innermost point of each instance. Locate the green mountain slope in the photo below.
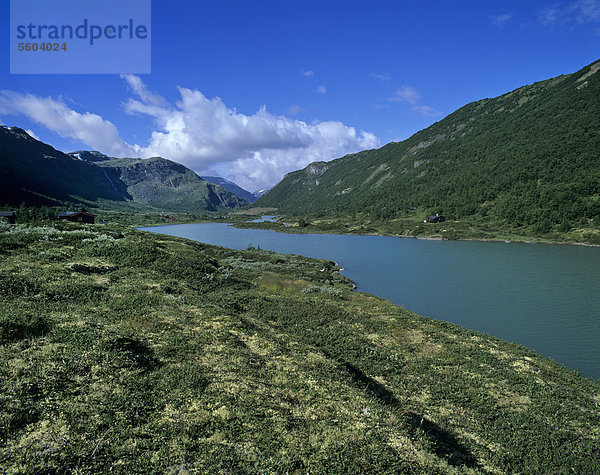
(34, 173)
(37, 174)
(160, 182)
(527, 158)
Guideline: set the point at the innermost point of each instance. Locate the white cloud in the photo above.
(426, 111)
(411, 96)
(32, 134)
(322, 90)
(383, 77)
(204, 134)
(252, 150)
(327, 140)
(579, 12)
(500, 20)
(295, 110)
(308, 74)
(406, 94)
(586, 11)
(88, 128)
(139, 89)
(549, 15)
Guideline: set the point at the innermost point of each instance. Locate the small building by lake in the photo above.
(77, 216)
(11, 216)
(437, 218)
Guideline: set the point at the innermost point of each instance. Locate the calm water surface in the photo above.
(545, 297)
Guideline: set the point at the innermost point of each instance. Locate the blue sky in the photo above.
(253, 90)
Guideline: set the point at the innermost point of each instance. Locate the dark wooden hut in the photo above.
(11, 216)
(77, 216)
(438, 218)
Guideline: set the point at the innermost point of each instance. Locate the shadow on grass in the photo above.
(130, 353)
(372, 387)
(444, 443)
(21, 326)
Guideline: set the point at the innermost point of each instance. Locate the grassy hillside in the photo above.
(134, 352)
(34, 173)
(169, 186)
(528, 159)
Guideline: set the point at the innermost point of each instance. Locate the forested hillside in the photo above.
(529, 158)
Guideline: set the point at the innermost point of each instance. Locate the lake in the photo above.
(545, 297)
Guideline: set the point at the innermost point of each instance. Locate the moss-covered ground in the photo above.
(132, 352)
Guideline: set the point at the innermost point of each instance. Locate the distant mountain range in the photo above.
(261, 192)
(231, 186)
(35, 173)
(527, 158)
(250, 197)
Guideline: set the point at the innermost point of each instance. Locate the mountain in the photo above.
(90, 156)
(35, 173)
(162, 183)
(527, 158)
(261, 192)
(231, 186)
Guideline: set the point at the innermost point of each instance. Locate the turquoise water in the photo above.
(545, 297)
(262, 219)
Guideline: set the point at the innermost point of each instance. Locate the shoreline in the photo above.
(423, 237)
(288, 230)
(339, 269)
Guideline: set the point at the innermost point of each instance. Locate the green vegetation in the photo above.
(169, 186)
(133, 352)
(230, 186)
(411, 225)
(39, 215)
(35, 174)
(525, 163)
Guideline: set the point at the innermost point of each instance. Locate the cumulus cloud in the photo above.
(322, 89)
(327, 140)
(202, 133)
(500, 20)
(252, 150)
(53, 114)
(308, 74)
